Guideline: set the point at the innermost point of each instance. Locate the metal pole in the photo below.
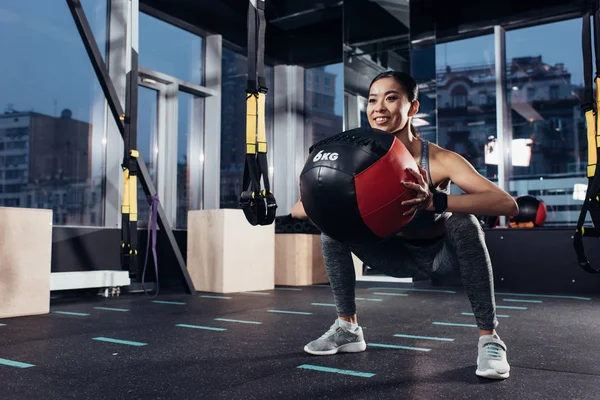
(503, 120)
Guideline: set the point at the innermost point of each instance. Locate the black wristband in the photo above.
(440, 201)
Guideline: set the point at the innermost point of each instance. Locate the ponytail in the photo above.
(414, 130)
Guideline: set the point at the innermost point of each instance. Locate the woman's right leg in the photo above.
(342, 276)
(345, 335)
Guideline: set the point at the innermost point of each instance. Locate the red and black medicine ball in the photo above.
(351, 185)
(531, 210)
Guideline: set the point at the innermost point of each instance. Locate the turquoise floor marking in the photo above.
(395, 346)
(362, 298)
(180, 303)
(209, 328)
(2, 324)
(112, 309)
(290, 312)
(414, 290)
(441, 339)
(522, 301)
(237, 320)
(289, 288)
(15, 364)
(119, 341)
(454, 324)
(551, 296)
(497, 315)
(390, 294)
(512, 307)
(216, 297)
(79, 314)
(323, 304)
(337, 371)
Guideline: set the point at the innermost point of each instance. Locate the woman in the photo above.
(443, 237)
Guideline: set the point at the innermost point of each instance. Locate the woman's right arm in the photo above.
(298, 211)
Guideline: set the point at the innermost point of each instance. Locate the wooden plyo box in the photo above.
(25, 261)
(226, 254)
(299, 260)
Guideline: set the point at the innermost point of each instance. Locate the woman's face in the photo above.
(388, 108)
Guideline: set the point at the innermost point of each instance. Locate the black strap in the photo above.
(586, 40)
(589, 106)
(258, 204)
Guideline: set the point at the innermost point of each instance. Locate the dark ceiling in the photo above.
(311, 32)
(448, 20)
(302, 32)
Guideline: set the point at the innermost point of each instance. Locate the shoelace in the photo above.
(330, 332)
(493, 350)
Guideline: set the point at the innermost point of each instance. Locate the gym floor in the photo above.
(422, 344)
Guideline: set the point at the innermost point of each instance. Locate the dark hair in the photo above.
(407, 82)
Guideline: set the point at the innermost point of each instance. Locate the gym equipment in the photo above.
(590, 108)
(532, 213)
(259, 205)
(289, 224)
(351, 185)
(133, 164)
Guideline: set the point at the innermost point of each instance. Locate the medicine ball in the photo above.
(531, 210)
(351, 185)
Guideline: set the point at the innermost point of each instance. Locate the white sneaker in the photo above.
(337, 339)
(491, 358)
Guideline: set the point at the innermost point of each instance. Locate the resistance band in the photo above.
(590, 107)
(259, 205)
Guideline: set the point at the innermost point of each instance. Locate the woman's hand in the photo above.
(424, 198)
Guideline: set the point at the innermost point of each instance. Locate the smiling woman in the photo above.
(443, 238)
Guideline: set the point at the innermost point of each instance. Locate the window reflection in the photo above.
(147, 141)
(189, 144)
(52, 112)
(323, 102)
(544, 90)
(171, 50)
(466, 99)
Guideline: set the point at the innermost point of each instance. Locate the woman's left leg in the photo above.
(465, 239)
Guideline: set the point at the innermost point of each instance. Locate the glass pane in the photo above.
(147, 144)
(189, 155)
(233, 124)
(545, 90)
(466, 99)
(52, 123)
(422, 60)
(171, 50)
(324, 102)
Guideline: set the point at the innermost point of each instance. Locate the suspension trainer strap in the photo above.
(590, 108)
(259, 204)
(129, 207)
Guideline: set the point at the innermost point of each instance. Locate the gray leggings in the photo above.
(461, 251)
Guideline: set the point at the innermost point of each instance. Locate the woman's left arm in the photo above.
(482, 196)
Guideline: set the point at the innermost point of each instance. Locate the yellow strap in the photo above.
(133, 198)
(133, 212)
(591, 136)
(129, 205)
(262, 129)
(125, 205)
(251, 114)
